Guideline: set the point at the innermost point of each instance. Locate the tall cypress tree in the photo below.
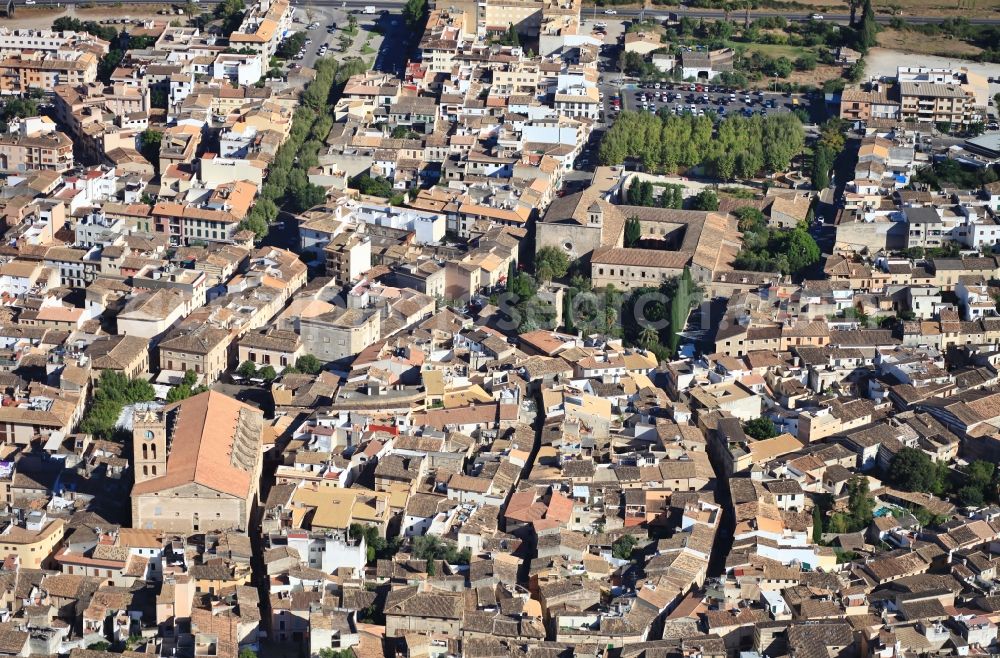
(680, 306)
(817, 525)
(868, 35)
(567, 311)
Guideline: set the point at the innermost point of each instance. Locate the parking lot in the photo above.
(685, 98)
(381, 38)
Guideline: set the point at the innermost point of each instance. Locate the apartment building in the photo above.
(16, 41)
(203, 349)
(348, 256)
(934, 102)
(263, 27)
(39, 70)
(179, 146)
(878, 102)
(527, 16)
(578, 102)
(36, 145)
(243, 69)
(213, 218)
(341, 333)
(100, 117)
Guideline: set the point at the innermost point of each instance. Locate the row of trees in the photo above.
(740, 148)
(643, 193)
(70, 24)
(287, 183)
(307, 364)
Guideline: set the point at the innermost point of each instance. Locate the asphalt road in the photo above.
(621, 13)
(662, 13)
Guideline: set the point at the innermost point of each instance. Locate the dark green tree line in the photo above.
(739, 148)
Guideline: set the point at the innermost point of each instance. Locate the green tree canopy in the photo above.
(113, 392)
(750, 219)
(868, 33)
(623, 546)
(378, 186)
(913, 470)
(551, 263)
(802, 250)
(760, 428)
(705, 200)
(414, 12)
(150, 146)
(309, 364)
(740, 147)
(431, 547)
(633, 231)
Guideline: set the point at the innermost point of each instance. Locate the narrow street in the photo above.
(723, 543)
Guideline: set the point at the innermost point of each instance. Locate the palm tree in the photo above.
(649, 336)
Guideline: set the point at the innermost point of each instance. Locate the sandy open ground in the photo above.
(883, 62)
(42, 17)
(923, 44)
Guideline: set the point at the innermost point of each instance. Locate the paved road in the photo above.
(621, 13)
(662, 14)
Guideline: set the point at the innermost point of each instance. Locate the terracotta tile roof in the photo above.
(206, 429)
